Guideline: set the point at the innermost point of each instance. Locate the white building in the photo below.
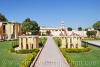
(61, 31)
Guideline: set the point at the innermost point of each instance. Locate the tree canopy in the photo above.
(69, 29)
(30, 26)
(2, 18)
(91, 33)
(79, 28)
(97, 25)
(48, 32)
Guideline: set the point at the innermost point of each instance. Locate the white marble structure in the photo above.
(28, 42)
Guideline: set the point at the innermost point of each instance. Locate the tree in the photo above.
(86, 29)
(97, 25)
(69, 29)
(30, 26)
(91, 33)
(48, 32)
(79, 28)
(2, 18)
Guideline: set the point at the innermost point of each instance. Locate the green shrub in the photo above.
(57, 41)
(11, 49)
(77, 50)
(91, 38)
(28, 60)
(42, 41)
(68, 58)
(24, 51)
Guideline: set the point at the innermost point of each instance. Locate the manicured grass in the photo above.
(8, 59)
(87, 59)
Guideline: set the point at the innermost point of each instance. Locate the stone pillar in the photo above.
(16, 31)
(79, 42)
(63, 42)
(74, 42)
(8, 31)
(24, 43)
(20, 43)
(35, 45)
(29, 43)
(68, 40)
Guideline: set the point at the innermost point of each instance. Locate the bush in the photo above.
(68, 58)
(57, 41)
(42, 41)
(28, 60)
(11, 49)
(24, 51)
(91, 38)
(77, 50)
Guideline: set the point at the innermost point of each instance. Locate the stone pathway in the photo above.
(51, 56)
(95, 42)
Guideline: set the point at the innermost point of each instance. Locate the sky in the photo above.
(50, 13)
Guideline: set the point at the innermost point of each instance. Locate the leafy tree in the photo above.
(69, 29)
(2, 18)
(97, 25)
(48, 32)
(86, 29)
(79, 28)
(91, 33)
(30, 26)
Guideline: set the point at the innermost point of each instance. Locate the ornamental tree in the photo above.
(30, 26)
(2, 18)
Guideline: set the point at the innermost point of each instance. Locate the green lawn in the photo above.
(88, 59)
(8, 59)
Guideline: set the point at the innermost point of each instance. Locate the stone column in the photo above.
(35, 42)
(68, 40)
(29, 43)
(8, 31)
(63, 42)
(20, 43)
(24, 43)
(16, 31)
(79, 42)
(74, 42)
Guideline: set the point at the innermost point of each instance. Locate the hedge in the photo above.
(42, 41)
(28, 60)
(77, 50)
(57, 41)
(24, 51)
(68, 58)
(91, 38)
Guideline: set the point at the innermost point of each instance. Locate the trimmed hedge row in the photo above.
(28, 60)
(42, 41)
(57, 41)
(91, 38)
(68, 58)
(24, 51)
(11, 48)
(77, 50)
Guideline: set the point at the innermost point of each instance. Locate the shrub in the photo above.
(28, 60)
(57, 41)
(77, 50)
(11, 49)
(68, 58)
(24, 51)
(91, 38)
(42, 41)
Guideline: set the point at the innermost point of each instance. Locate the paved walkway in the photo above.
(95, 42)
(51, 56)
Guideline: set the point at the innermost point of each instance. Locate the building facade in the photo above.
(61, 31)
(10, 30)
